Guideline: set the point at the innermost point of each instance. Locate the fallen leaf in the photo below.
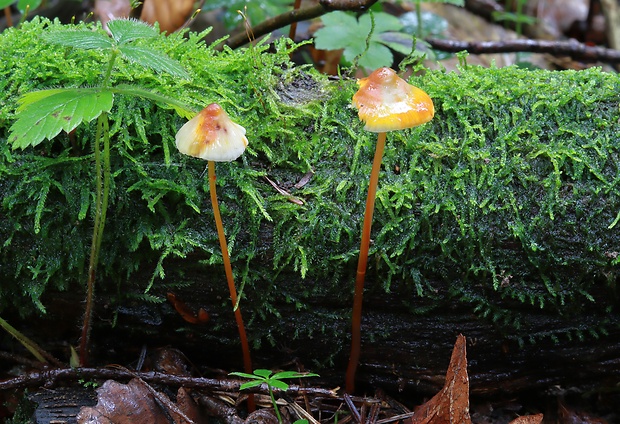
(170, 14)
(119, 403)
(106, 10)
(451, 404)
(528, 419)
(137, 402)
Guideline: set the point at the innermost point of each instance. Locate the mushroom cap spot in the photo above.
(212, 135)
(386, 102)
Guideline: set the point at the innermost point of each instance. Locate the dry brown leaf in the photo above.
(171, 14)
(119, 403)
(137, 402)
(106, 10)
(451, 404)
(528, 419)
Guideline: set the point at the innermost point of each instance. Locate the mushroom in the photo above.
(385, 102)
(213, 136)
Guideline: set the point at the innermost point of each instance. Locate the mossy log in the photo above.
(499, 219)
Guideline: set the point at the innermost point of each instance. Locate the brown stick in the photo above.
(53, 377)
(571, 48)
(297, 15)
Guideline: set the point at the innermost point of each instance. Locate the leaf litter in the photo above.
(139, 402)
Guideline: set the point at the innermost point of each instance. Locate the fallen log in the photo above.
(499, 220)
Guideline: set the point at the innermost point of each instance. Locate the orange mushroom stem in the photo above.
(385, 102)
(213, 136)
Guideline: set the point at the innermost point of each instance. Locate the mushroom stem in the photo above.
(245, 347)
(356, 319)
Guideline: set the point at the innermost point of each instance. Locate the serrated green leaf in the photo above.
(35, 96)
(63, 110)
(339, 31)
(184, 110)
(376, 56)
(383, 22)
(79, 39)
(154, 60)
(125, 30)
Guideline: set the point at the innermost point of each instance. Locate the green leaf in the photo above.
(6, 3)
(343, 31)
(35, 96)
(292, 374)
(80, 39)
(383, 22)
(125, 30)
(377, 56)
(62, 110)
(153, 59)
(262, 373)
(277, 384)
(184, 110)
(243, 374)
(339, 31)
(254, 383)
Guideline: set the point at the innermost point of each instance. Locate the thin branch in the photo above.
(53, 377)
(297, 15)
(572, 48)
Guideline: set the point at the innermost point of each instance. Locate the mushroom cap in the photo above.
(386, 102)
(212, 135)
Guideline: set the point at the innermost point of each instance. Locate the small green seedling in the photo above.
(274, 381)
(46, 113)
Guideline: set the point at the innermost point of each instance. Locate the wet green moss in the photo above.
(512, 192)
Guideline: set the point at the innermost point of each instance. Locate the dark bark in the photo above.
(413, 357)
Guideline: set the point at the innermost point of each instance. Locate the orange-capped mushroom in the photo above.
(386, 102)
(212, 135)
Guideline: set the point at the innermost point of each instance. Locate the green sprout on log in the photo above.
(44, 114)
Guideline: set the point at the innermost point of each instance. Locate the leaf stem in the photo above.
(275, 404)
(108, 72)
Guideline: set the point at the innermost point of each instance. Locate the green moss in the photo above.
(511, 192)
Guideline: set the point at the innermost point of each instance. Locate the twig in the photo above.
(572, 48)
(52, 377)
(297, 15)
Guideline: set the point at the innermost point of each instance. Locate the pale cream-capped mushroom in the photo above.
(212, 135)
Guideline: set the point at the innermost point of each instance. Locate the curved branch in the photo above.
(53, 377)
(297, 15)
(572, 48)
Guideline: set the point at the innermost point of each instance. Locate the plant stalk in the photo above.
(356, 317)
(245, 347)
(102, 189)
